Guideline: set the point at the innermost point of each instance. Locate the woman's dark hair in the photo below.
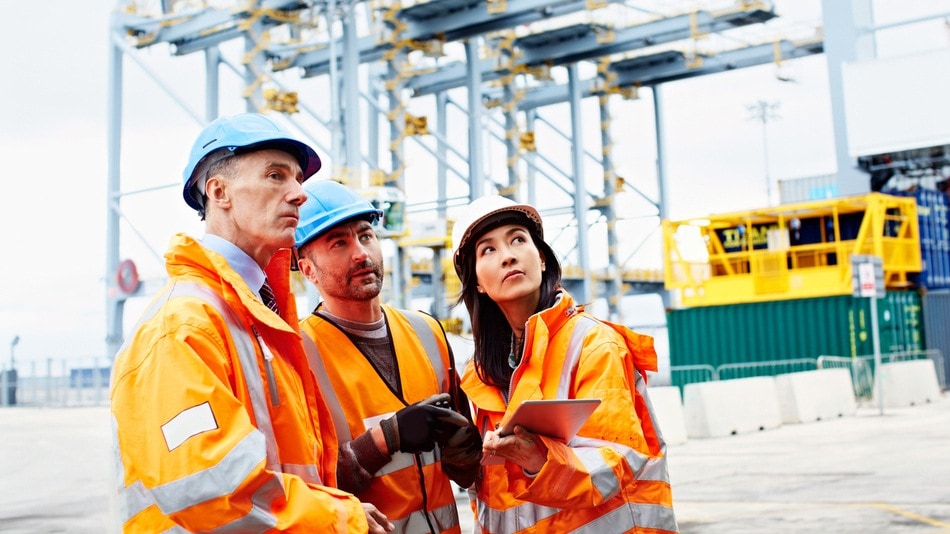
(490, 329)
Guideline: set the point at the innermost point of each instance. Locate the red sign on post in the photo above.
(127, 276)
(866, 278)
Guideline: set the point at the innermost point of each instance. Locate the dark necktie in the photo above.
(267, 296)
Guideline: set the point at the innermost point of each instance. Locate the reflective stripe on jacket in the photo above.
(409, 483)
(214, 427)
(612, 477)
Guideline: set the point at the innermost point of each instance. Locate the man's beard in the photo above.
(366, 291)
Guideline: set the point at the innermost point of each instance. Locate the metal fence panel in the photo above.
(57, 382)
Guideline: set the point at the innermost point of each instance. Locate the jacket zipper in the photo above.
(268, 356)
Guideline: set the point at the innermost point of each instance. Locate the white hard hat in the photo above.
(486, 209)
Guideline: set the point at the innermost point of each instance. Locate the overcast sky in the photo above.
(53, 145)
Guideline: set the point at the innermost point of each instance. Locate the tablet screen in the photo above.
(558, 418)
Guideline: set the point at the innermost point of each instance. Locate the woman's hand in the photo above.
(522, 448)
(377, 521)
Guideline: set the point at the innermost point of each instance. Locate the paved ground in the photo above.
(864, 474)
(869, 473)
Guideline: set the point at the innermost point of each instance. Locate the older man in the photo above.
(218, 420)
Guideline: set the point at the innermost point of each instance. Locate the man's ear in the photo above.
(216, 191)
(307, 269)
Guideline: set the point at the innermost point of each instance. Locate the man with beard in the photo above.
(388, 375)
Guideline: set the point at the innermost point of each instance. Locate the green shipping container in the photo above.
(790, 330)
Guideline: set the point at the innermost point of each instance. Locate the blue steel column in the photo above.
(439, 298)
(372, 121)
(580, 195)
(212, 60)
(661, 174)
(442, 151)
(661, 169)
(614, 281)
(351, 93)
(397, 121)
(511, 137)
(395, 57)
(336, 137)
(530, 157)
(473, 73)
(254, 65)
(114, 303)
(844, 41)
(397, 124)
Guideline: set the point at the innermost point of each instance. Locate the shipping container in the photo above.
(933, 208)
(786, 330)
(808, 188)
(936, 315)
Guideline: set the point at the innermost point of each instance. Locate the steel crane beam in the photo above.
(454, 20)
(589, 41)
(201, 29)
(668, 66)
(445, 20)
(633, 72)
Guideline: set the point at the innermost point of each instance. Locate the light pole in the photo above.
(764, 111)
(8, 379)
(13, 343)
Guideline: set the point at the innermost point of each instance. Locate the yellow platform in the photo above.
(791, 251)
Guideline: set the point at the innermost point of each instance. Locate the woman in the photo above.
(533, 342)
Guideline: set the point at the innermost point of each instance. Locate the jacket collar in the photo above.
(187, 257)
(539, 329)
(557, 315)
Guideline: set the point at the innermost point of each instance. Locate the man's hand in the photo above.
(462, 456)
(417, 428)
(377, 521)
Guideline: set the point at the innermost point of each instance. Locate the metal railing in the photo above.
(767, 368)
(862, 373)
(56, 382)
(861, 368)
(687, 374)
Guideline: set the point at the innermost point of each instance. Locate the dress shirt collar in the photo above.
(243, 264)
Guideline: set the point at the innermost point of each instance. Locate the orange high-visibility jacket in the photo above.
(412, 490)
(612, 476)
(216, 416)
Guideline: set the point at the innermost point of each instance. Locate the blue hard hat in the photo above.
(246, 132)
(328, 204)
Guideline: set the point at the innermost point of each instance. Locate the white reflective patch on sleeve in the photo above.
(188, 423)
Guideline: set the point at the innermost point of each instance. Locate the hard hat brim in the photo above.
(241, 134)
(308, 159)
(358, 212)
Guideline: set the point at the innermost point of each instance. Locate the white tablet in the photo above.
(557, 418)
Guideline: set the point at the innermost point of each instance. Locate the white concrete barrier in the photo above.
(726, 407)
(815, 395)
(908, 383)
(668, 407)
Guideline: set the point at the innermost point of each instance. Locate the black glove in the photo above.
(416, 428)
(462, 456)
